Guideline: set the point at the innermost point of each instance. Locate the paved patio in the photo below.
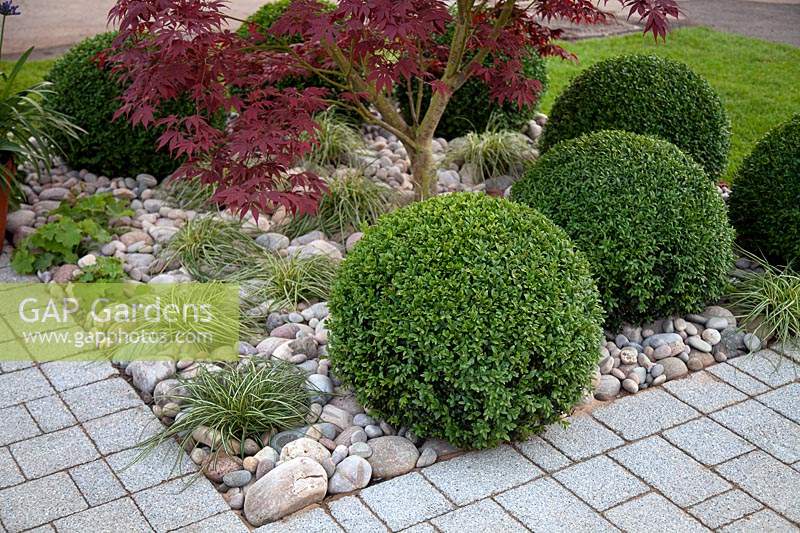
(718, 450)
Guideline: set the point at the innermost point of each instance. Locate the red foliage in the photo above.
(182, 48)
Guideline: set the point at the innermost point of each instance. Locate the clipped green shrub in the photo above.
(650, 221)
(266, 16)
(765, 203)
(90, 96)
(465, 317)
(649, 95)
(471, 108)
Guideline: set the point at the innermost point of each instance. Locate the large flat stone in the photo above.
(771, 368)
(582, 439)
(112, 517)
(483, 515)
(9, 472)
(707, 441)
(22, 386)
(601, 482)
(763, 427)
(725, 508)
(738, 378)
(657, 512)
(70, 374)
(315, 520)
(766, 479)
(96, 482)
(785, 400)
(101, 398)
(477, 475)
(16, 424)
(180, 502)
(544, 505)
(543, 454)
(354, 516)
(644, 414)
(404, 501)
(122, 430)
(39, 501)
(705, 392)
(51, 452)
(679, 477)
(51, 413)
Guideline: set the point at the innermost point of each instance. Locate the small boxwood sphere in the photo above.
(467, 318)
(90, 96)
(646, 215)
(765, 203)
(471, 108)
(649, 95)
(267, 14)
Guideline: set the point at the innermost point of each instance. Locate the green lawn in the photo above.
(758, 81)
(33, 72)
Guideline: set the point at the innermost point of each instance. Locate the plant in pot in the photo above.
(26, 127)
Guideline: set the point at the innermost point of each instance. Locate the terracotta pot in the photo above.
(8, 171)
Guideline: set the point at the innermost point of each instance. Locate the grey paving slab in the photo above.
(101, 398)
(643, 414)
(70, 374)
(112, 517)
(51, 452)
(122, 430)
(11, 366)
(354, 516)
(790, 349)
(543, 454)
(96, 482)
(763, 427)
(601, 482)
(761, 522)
(424, 527)
(738, 378)
(179, 503)
(21, 386)
(707, 441)
(484, 516)
(704, 391)
(403, 501)
(725, 508)
(767, 480)
(47, 528)
(583, 438)
(656, 511)
(679, 477)
(302, 522)
(477, 475)
(159, 465)
(771, 368)
(51, 498)
(785, 400)
(221, 523)
(51, 413)
(16, 424)
(9, 472)
(544, 505)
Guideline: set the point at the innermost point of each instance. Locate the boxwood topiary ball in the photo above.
(646, 215)
(465, 317)
(649, 95)
(90, 95)
(765, 203)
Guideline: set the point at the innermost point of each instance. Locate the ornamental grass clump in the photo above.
(492, 153)
(232, 404)
(765, 203)
(644, 94)
(467, 318)
(645, 214)
(338, 141)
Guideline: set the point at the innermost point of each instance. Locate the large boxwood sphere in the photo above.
(650, 221)
(467, 318)
(649, 95)
(90, 96)
(765, 203)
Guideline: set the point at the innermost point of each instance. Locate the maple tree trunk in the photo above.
(423, 173)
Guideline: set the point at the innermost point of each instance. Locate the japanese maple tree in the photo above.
(177, 48)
